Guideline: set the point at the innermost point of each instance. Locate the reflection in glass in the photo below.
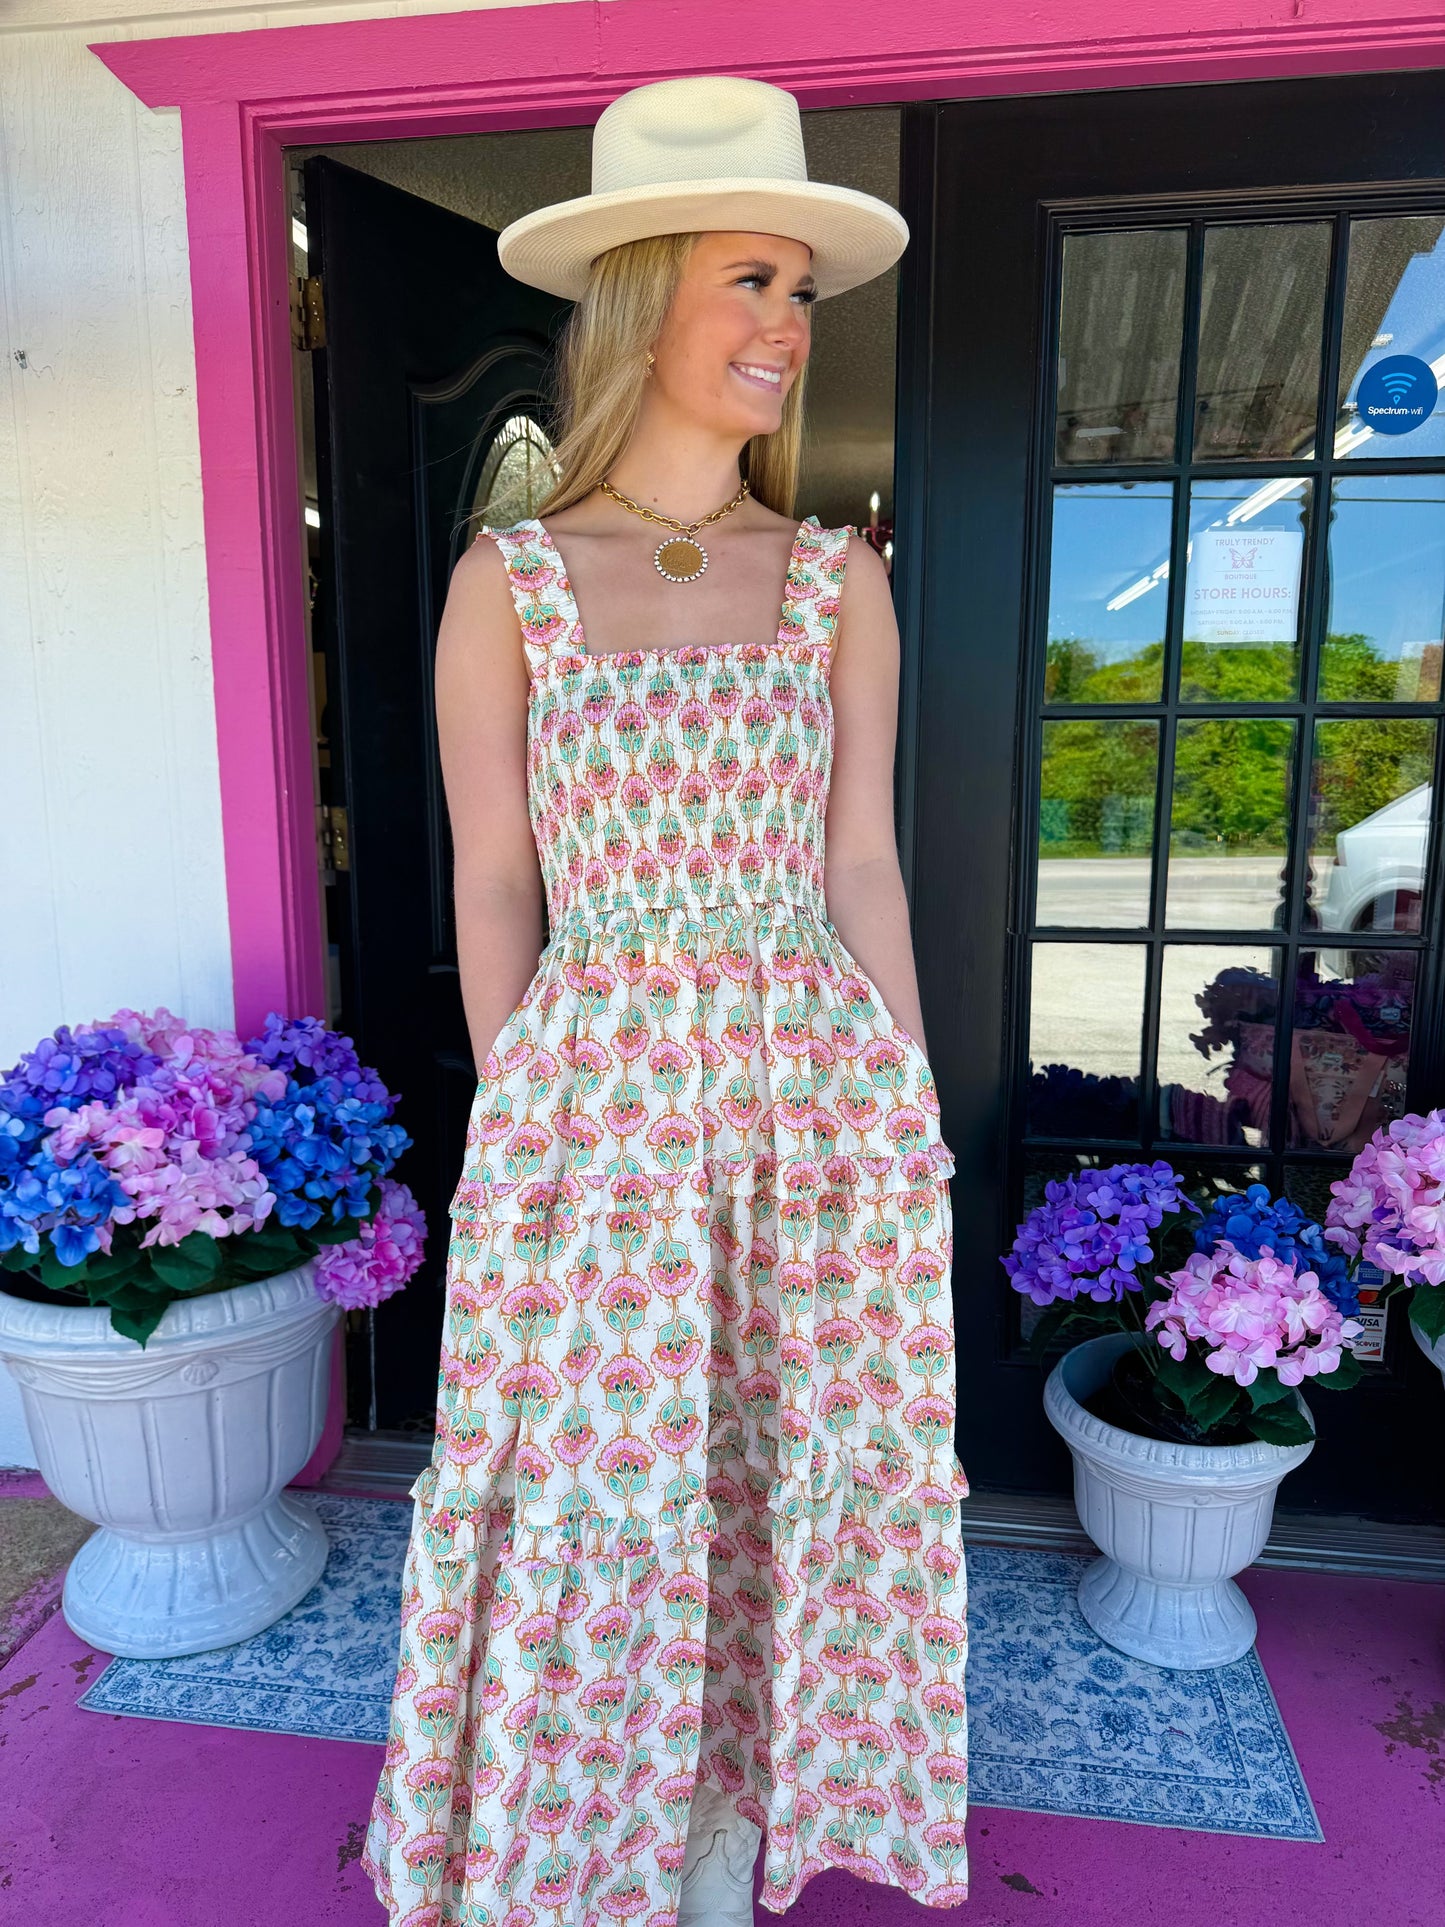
(1108, 591)
(1260, 329)
(1394, 305)
(1350, 1052)
(1121, 323)
(1217, 1011)
(1085, 1026)
(1207, 1181)
(518, 472)
(1370, 792)
(1387, 589)
(1229, 822)
(1242, 591)
(1096, 822)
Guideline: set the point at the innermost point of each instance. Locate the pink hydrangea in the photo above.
(177, 1147)
(1253, 1314)
(371, 1267)
(1390, 1205)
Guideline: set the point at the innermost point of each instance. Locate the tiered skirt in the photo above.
(692, 1512)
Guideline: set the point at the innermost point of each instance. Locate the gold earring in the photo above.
(651, 359)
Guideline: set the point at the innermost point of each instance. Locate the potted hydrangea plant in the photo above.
(1181, 1407)
(1389, 1212)
(183, 1218)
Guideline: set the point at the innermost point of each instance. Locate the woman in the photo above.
(685, 1571)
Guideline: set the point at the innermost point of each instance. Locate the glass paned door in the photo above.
(1172, 586)
(1237, 717)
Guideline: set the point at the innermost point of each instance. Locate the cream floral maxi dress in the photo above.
(693, 1508)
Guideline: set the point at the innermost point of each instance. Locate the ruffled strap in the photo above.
(542, 595)
(814, 588)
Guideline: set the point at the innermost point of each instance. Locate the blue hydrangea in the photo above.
(326, 1142)
(68, 1203)
(1254, 1222)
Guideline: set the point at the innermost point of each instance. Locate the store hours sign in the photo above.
(1244, 585)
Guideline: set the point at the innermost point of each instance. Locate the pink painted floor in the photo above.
(136, 1823)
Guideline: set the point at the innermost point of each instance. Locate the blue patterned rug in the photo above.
(1058, 1722)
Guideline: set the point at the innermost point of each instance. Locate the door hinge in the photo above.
(333, 837)
(308, 314)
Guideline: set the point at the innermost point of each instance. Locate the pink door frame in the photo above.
(244, 96)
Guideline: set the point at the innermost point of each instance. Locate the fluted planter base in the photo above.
(179, 1451)
(1174, 1523)
(224, 1586)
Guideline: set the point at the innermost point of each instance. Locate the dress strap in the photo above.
(546, 607)
(815, 584)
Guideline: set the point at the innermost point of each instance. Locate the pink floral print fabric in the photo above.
(692, 1512)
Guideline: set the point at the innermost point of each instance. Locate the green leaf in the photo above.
(1267, 1390)
(56, 1275)
(187, 1265)
(114, 1263)
(1347, 1375)
(137, 1324)
(327, 1233)
(1212, 1404)
(17, 1258)
(1281, 1425)
(1427, 1310)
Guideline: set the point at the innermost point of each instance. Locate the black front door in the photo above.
(1174, 612)
(429, 413)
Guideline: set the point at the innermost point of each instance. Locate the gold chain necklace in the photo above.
(681, 558)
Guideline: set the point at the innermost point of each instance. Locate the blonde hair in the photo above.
(602, 366)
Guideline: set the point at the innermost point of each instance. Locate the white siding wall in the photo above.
(112, 890)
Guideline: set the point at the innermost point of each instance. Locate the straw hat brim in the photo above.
(853, 236)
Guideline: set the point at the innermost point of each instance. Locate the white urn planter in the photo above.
(179, 1451)
(1174, 1523)
(1433, 1348)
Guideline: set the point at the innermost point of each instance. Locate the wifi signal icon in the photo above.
(1397, 395)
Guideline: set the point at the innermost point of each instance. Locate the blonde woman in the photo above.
(685, 1576)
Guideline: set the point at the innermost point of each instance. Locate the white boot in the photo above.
(717, 1872)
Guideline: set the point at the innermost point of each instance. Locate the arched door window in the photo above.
(517, 474)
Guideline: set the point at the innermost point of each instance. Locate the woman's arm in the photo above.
(481, 705)
(862, 880)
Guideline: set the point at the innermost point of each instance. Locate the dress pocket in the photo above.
(492, 1115)
(888, 1024)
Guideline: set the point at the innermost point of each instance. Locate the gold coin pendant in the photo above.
(680, 559)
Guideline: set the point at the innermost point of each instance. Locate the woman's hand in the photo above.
(481, 710)
(862, 881)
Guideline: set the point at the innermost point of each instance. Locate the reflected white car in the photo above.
(1377, 875)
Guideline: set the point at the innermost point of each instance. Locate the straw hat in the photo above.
(708, 154)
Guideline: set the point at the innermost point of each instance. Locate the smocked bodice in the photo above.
(687, 778)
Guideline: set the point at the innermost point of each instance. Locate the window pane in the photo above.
(1370, 792)
(1242, 592)
(1108, 592)
(1096, 823)
(1229, 823)
(1351, 1047)
(1121, 322)
(1085, 1027)
(1261, 319)
(1394, 305)
(1217, 1010)
(1387, 589)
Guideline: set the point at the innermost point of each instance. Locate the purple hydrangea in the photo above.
(1090, 1236)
